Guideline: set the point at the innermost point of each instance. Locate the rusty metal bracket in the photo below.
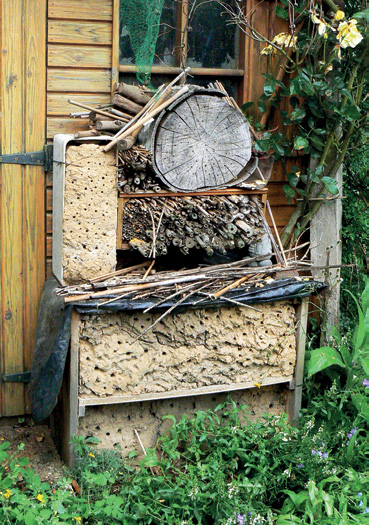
(36, 158)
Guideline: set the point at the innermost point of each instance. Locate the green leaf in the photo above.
(269, 88)
(300, 143)
(246, 105)
(29, 519)
(362, 15)
(330, 185)
(322, 358)
(23, 462)
(289, 192)
(351, 112)
(297, 498)
(261, 106)
(361, 403)
(279, 11)
(298, 114)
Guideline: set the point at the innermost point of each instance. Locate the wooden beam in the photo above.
(84, 80)
(78, 10)
(115, 44)
(34, 49)
(172, 394)
(196, 71)
(81, 57)
(79, 32)
(11, 205)
(58, 105)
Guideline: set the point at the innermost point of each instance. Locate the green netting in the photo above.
(142, 20)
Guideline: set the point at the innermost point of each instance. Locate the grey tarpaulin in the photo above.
(54, 325)
(50, 352)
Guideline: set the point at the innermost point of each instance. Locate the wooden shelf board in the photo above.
(212, 389)
(226, 191)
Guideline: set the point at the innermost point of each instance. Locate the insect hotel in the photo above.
(170, 287)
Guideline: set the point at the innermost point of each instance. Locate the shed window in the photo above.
(211, 46)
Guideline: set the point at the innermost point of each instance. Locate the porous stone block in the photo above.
(185, 351)
(89, 213)
(115, 424)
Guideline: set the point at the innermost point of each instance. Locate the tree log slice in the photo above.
(201, 143)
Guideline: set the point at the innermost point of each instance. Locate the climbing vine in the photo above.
(318, 70)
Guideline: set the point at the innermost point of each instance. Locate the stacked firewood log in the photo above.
(212, 223)
(127, 101)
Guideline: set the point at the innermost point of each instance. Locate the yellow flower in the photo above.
(339, 15)
(328, 69)
(91, 455)
(7, 493)
(40, 498)
(268, 50)
(322, 26)
(348, 34)
(258, 385)
(78, 519)
(285, 40)
(281, 40)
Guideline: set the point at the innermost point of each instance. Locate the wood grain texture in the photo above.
(79, 9)
(11, 195)
(65, 125)
(202, 143)
(115, 45)
(58, 105)
(85, 80)
(61, 55)
(34, 47)
(79, 32)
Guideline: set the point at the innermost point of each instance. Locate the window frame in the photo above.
(182, 10)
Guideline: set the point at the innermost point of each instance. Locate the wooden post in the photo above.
(23, 73)
(115, 45)
(294, 403)
(34, 46)
(11, 204)
(325, 240)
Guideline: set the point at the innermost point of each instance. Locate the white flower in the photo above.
(322, 26)
(348, 34)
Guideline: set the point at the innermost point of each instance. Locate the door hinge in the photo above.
(22, 377)
(35, 158)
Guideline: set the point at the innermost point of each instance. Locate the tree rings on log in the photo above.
(201, 142)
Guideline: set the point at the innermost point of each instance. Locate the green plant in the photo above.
(347, 363)
(319, 97)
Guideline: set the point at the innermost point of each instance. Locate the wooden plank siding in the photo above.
(80, 58)
(22, 227)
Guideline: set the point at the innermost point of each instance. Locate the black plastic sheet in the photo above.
(54, 326)
(263, 292)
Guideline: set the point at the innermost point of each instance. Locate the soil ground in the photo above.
(39, 448)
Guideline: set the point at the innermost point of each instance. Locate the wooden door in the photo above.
(22, 189)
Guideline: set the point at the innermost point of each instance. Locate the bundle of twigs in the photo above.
(212, 223)
(142, 282)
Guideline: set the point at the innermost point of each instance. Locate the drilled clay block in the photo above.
(90, 213)
(193, 349)
(115, 424)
